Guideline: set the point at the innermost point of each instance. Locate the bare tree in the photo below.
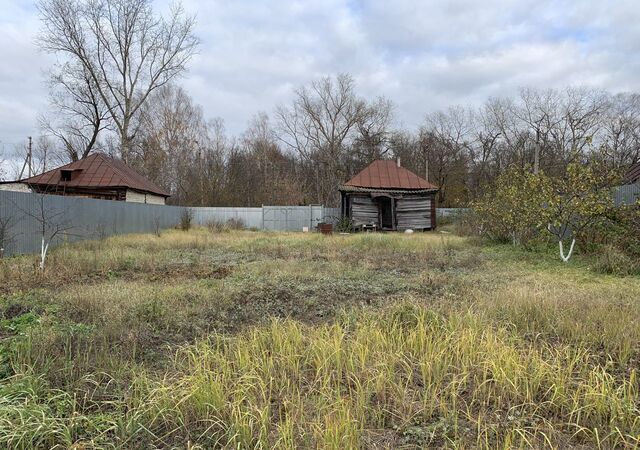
(178, 148)
(619, 143)
(125, 49)
(265, 165)
(444, 140)
(372, 141)
(3, 165)
(79, 113)
(320, 126)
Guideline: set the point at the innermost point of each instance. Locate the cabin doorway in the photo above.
(385, 206)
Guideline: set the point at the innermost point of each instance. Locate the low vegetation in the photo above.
(239, 339)
(576, 210)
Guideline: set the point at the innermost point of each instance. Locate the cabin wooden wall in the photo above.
(363, 210)
(411, 211)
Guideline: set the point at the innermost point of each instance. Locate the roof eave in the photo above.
(62, 184)
(347, 188)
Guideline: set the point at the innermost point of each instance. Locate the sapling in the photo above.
(580, 199)
(51, 224)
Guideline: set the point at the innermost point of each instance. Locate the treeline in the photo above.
(303, 151)
(111, 95)
(328, 133)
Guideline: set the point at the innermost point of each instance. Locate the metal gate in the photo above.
(291, 218)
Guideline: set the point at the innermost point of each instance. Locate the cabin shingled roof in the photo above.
(633, 175)
(98, 171)
(386, 174)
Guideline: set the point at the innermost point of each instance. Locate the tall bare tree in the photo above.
(444, 139)
(374, 130)
(125, 49)
(268, 166)
(323, 123)
(78, 112)
(174, 143)
(619, 143)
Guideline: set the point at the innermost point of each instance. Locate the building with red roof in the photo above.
(387, 196)
(96, 176)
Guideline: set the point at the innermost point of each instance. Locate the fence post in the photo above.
(262, 210)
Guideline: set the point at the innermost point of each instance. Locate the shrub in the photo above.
(515, 209)
(468, 223)
(572, 207)
(614, 261)
(217, 226)
(186, 219)
(344, 225)
(235, 224)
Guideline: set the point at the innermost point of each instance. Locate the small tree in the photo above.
(580, 199)
(7, 234)
(51, 224)
(186, 219)
(517, 205)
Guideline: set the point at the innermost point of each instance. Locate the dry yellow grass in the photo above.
(263, 340)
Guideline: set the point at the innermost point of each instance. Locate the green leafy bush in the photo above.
(344, 225)
(516, 208)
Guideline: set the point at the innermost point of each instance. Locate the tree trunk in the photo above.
(43, 253)
(568, 255)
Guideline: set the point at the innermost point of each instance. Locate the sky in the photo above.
(422, 55)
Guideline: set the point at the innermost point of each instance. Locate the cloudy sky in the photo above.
(422, 54)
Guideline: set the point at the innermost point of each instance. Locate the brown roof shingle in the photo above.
(98, 171)
(633, 175)
(385, 174)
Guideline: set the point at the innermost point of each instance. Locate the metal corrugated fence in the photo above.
(22, 216)
(249, 217)
(626, 195)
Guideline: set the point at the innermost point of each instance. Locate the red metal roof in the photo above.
(633, 175)
(385, 174)
(98, 171)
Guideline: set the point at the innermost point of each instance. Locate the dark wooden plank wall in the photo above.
(413, 212)
(364, 211)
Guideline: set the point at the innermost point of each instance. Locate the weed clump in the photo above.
(612, 260)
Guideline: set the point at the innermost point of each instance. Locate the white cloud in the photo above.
(423, 55)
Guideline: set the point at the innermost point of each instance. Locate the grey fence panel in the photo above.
(287, 218)
(627, 194)
(22, 216)
(331, 215)
(250, 217)
(451, 212)
(295, 218)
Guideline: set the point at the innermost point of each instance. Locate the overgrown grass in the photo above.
(238, 339)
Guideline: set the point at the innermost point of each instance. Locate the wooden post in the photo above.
(393, 214)
(433, 211)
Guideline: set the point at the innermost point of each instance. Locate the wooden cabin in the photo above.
(386, 196)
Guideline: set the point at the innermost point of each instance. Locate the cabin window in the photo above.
(65, 175)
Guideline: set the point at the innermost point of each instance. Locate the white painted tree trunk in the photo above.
(43, 253)
(568, 256)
